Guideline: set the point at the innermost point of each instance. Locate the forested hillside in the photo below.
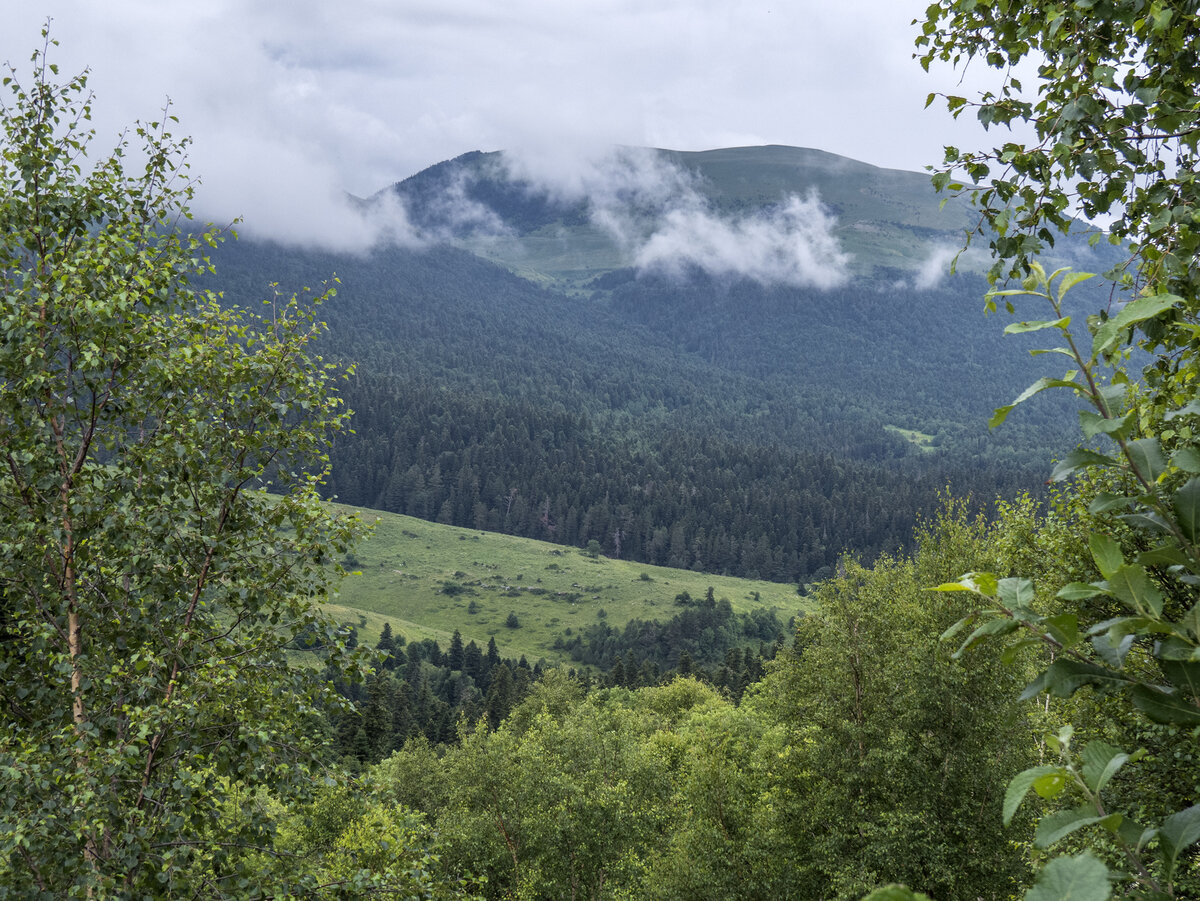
(714, 424)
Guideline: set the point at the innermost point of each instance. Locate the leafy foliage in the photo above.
(1117, 128)
(149, 588)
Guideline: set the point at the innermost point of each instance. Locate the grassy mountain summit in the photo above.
(567, 231)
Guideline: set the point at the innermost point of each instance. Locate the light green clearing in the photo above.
(422, 577)
(912, 436)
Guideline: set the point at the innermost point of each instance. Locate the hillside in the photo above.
(746, 422)
(890, 223)
(428, 580)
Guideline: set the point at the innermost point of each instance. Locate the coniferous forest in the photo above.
(994, 690)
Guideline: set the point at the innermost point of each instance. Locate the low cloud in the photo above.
(935, 267)
(792, 245)
(657, 213)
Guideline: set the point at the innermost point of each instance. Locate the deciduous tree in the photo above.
(150, 588)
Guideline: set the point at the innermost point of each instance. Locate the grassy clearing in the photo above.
(912, 436)
(428, 580)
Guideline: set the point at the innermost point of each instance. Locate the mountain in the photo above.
(709, 369)
(566, 231)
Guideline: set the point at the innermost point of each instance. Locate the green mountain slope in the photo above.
(705, 421)
(427, 580)
(889, 221)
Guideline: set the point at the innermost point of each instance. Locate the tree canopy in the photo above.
(1116, 122)
(150, 586)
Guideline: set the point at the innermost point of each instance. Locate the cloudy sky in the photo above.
(290, 102)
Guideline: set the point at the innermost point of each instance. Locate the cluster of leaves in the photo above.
(816, 785)
(150, 588)
(1116, 131)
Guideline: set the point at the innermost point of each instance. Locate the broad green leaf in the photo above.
(1110, 653)
(1162, 707)
(961, 624)
(1147, 458)
(1063, 628)
(1065, 676)
(1051, 785)
(1080, 591)
(1100, 763)
(1093, 424)
(1184, 675)
(1187, 509)
(1191, 408)
(1014, 649)
(1001, 413)
(1191, 621)
(1106, 551)
(1076, 460)
(1163, 555)
(1131, 314)
(1019, 328)
(1015, 592)
(998, 626)
(1187, 459)
(1062, 823)
(1178, 832)
(1070, 280)
(1020, 784)
(1149, 521)
(1079, 878)
(1133, 585)
(1104, 502)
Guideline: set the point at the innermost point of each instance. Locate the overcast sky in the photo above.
(291, 101)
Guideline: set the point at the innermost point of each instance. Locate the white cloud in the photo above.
(657, 213)
(791, 245)
(356, 95)
(936, 266)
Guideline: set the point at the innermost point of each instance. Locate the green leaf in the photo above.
(1079, 878)
(1020, 784)
(1132, 584)
(1187, 509)
(1191, 408)
(1132, 313)
(1101, 762)
(1062, 823)
(1112, 654)
(1187, 459)
(1106, 551)
(1080, 591)
(1178, 832)
(1065, 676)
(1093, 424)
(1163, 555)
(1001, 413)
(1147, 458)
(1162, 707)
(997, 626)
(1019, 328)
(1076, 460)
(1063, 628)
(1051, 785)
(1070, 280)
(1184, 675)
(1104, 502)
(1015, 592)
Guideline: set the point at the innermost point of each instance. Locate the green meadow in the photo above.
(428, 579)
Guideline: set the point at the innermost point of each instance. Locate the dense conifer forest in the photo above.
(723, 427)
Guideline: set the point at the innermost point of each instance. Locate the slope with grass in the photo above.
(428, 580)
